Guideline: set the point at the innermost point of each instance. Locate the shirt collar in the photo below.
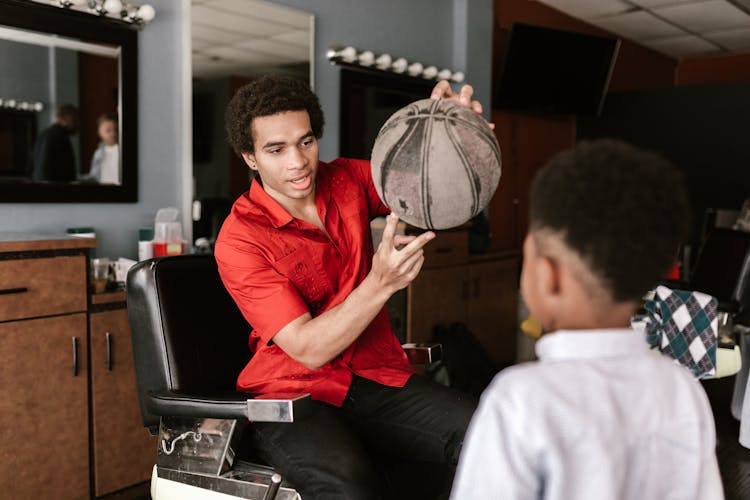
(591, 344)
(278, 215)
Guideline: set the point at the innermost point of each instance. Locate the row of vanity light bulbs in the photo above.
(21, 105)
(386, 62)
(126, 11)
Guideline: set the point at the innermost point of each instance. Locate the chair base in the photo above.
(169, 484)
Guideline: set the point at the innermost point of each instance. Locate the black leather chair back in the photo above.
(188, 334)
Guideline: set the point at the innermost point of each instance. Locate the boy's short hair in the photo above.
(266, 96)
(623, 210)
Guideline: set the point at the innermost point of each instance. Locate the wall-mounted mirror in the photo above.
(68, 104)
(233, 42)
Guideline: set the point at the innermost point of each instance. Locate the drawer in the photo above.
(42, 287)
(448, 248)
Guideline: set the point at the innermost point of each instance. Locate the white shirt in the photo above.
(599, 417)
(110, 173)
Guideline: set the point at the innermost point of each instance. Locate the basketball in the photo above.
(435, 164)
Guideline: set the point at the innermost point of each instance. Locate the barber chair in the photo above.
(189, 345)
(722, 270)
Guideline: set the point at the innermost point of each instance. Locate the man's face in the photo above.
(285, 156)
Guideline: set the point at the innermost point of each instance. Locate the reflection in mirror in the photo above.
(58, 119)
(68, 105)
(234, 42)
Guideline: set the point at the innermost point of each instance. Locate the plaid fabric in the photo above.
(684, 326)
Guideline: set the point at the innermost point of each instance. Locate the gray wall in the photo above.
(446, 33)
(163, 174)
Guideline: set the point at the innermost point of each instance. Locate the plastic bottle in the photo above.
(145, 243)
(167, 233)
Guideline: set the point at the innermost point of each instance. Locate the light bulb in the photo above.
(146, 13)
(383, 61)
(112, 6)
(458, 76)
(415, 69)
(348, 54)
(399, 65)
(430, 72)
(366, 58)
(444, 74)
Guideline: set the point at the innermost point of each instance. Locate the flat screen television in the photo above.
(554, 71)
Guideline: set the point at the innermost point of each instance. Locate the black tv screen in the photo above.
(554, 71)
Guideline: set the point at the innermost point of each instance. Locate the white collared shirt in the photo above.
(599, 417)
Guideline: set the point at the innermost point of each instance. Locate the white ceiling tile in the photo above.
(733, 40)
(207, 16)
(291, 53)
(650, 4)
(214, 34)
(258, 9)
(707, 16)
(682, 46)
(294, 37)
(589, 9)
(639, 26)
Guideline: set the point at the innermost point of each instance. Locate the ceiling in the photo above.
(676, 28)
(248, 37)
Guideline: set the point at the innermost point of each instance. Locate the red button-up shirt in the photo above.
(277, 268)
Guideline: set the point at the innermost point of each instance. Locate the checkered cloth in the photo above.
(684, 326)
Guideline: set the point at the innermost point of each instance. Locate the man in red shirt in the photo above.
(296, 254)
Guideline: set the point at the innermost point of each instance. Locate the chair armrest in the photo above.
(423, 354)
(266, 408)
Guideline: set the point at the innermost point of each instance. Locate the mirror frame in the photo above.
(38, 17)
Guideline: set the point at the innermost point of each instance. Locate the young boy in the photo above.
(599, 416)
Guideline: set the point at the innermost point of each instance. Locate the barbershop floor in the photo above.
(734, 460)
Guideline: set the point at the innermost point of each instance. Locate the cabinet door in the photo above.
(124, 452)
(44, 408)
(492, 307)
(437, 296)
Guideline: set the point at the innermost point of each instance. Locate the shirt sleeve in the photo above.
(363, 173)
(268, 300)
(495, 460)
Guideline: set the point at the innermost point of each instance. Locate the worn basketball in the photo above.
(436, 164)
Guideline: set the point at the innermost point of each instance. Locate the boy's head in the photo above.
(266, 96)
(106, 128)
(606, 221)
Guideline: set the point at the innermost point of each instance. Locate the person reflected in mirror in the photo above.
(105, 164)
(54, 158)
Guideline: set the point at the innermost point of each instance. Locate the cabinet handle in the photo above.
(8, 291)
(108, 342)
(75, 356)
(476, 287)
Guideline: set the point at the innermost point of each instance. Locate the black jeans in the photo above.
(379, 433)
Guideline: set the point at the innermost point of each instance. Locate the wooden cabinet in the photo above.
(527, 143)
(69, 415)
(44, 408)
(123, 450)
(44, 371)
(478, 291)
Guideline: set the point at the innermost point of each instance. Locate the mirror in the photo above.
(67, 106)
(233, 42)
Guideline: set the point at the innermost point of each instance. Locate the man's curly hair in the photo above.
(623, 210)
(266, 96)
